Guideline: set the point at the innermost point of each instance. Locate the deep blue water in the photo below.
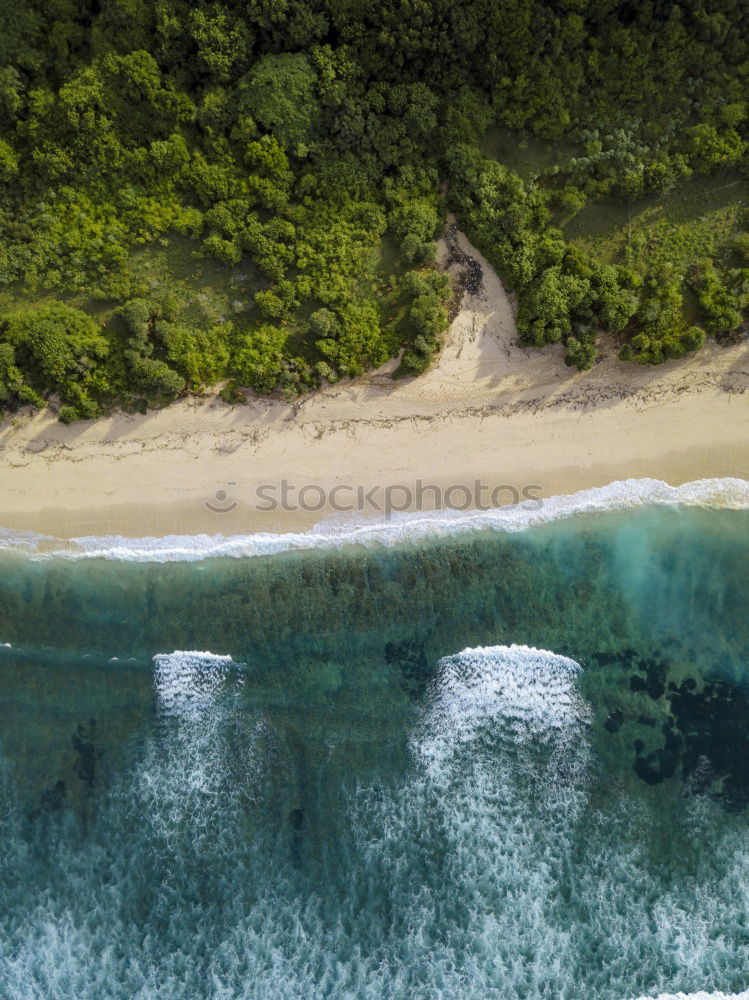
(491, 766)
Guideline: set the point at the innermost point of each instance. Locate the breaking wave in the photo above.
(188, 683)
(335, 532)
(247, 854)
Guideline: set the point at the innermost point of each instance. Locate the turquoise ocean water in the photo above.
(484, 764)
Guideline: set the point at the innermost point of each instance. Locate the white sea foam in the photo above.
(517, 697)
(523, 692)
(458, 876)
(188, 682)
(335, 532)
(22, 541)
(744, 995)
(186, 775)
(499, 777)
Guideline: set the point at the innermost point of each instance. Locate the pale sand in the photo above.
(487, 410)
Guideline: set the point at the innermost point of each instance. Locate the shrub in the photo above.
(579, 354)
(428, 315)
(68, 414)
(137, 317)
(259, 358)
(269, 304)
(153, 376)
(28, 395)
(200, 355)
(55, 342)
(323, 323)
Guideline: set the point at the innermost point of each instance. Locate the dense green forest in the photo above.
(250, 191)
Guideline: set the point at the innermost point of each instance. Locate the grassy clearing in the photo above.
(691, 222)
(527, 156)
(201, 290)
(195, 290)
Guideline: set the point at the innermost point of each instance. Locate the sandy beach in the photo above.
(488, 416)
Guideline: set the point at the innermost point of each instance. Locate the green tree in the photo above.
(11, 378)
(280, 93)
(200, 355)
(258, 360)
(579, 354)
(8, 162)
(414, 225)
(428, 314)
(223, 41)
(546, 311)
(718, 302)
(55, 344)
(154, 377)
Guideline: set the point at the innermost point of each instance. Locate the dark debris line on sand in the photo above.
(471, 273)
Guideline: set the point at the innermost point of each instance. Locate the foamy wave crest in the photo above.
(498, 783)
(515, 693)
(335, 532)
(23, 541)
(189, 773)
(188, 683)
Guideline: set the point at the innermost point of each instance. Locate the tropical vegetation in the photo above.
(250, 192)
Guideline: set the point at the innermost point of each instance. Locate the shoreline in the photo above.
(487, 410)
(398, 528)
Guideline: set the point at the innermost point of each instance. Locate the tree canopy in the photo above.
(301, 156)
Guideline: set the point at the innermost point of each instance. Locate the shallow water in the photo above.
(487, 765)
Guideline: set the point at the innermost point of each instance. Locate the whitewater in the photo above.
(488, 755)
(629, 494)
